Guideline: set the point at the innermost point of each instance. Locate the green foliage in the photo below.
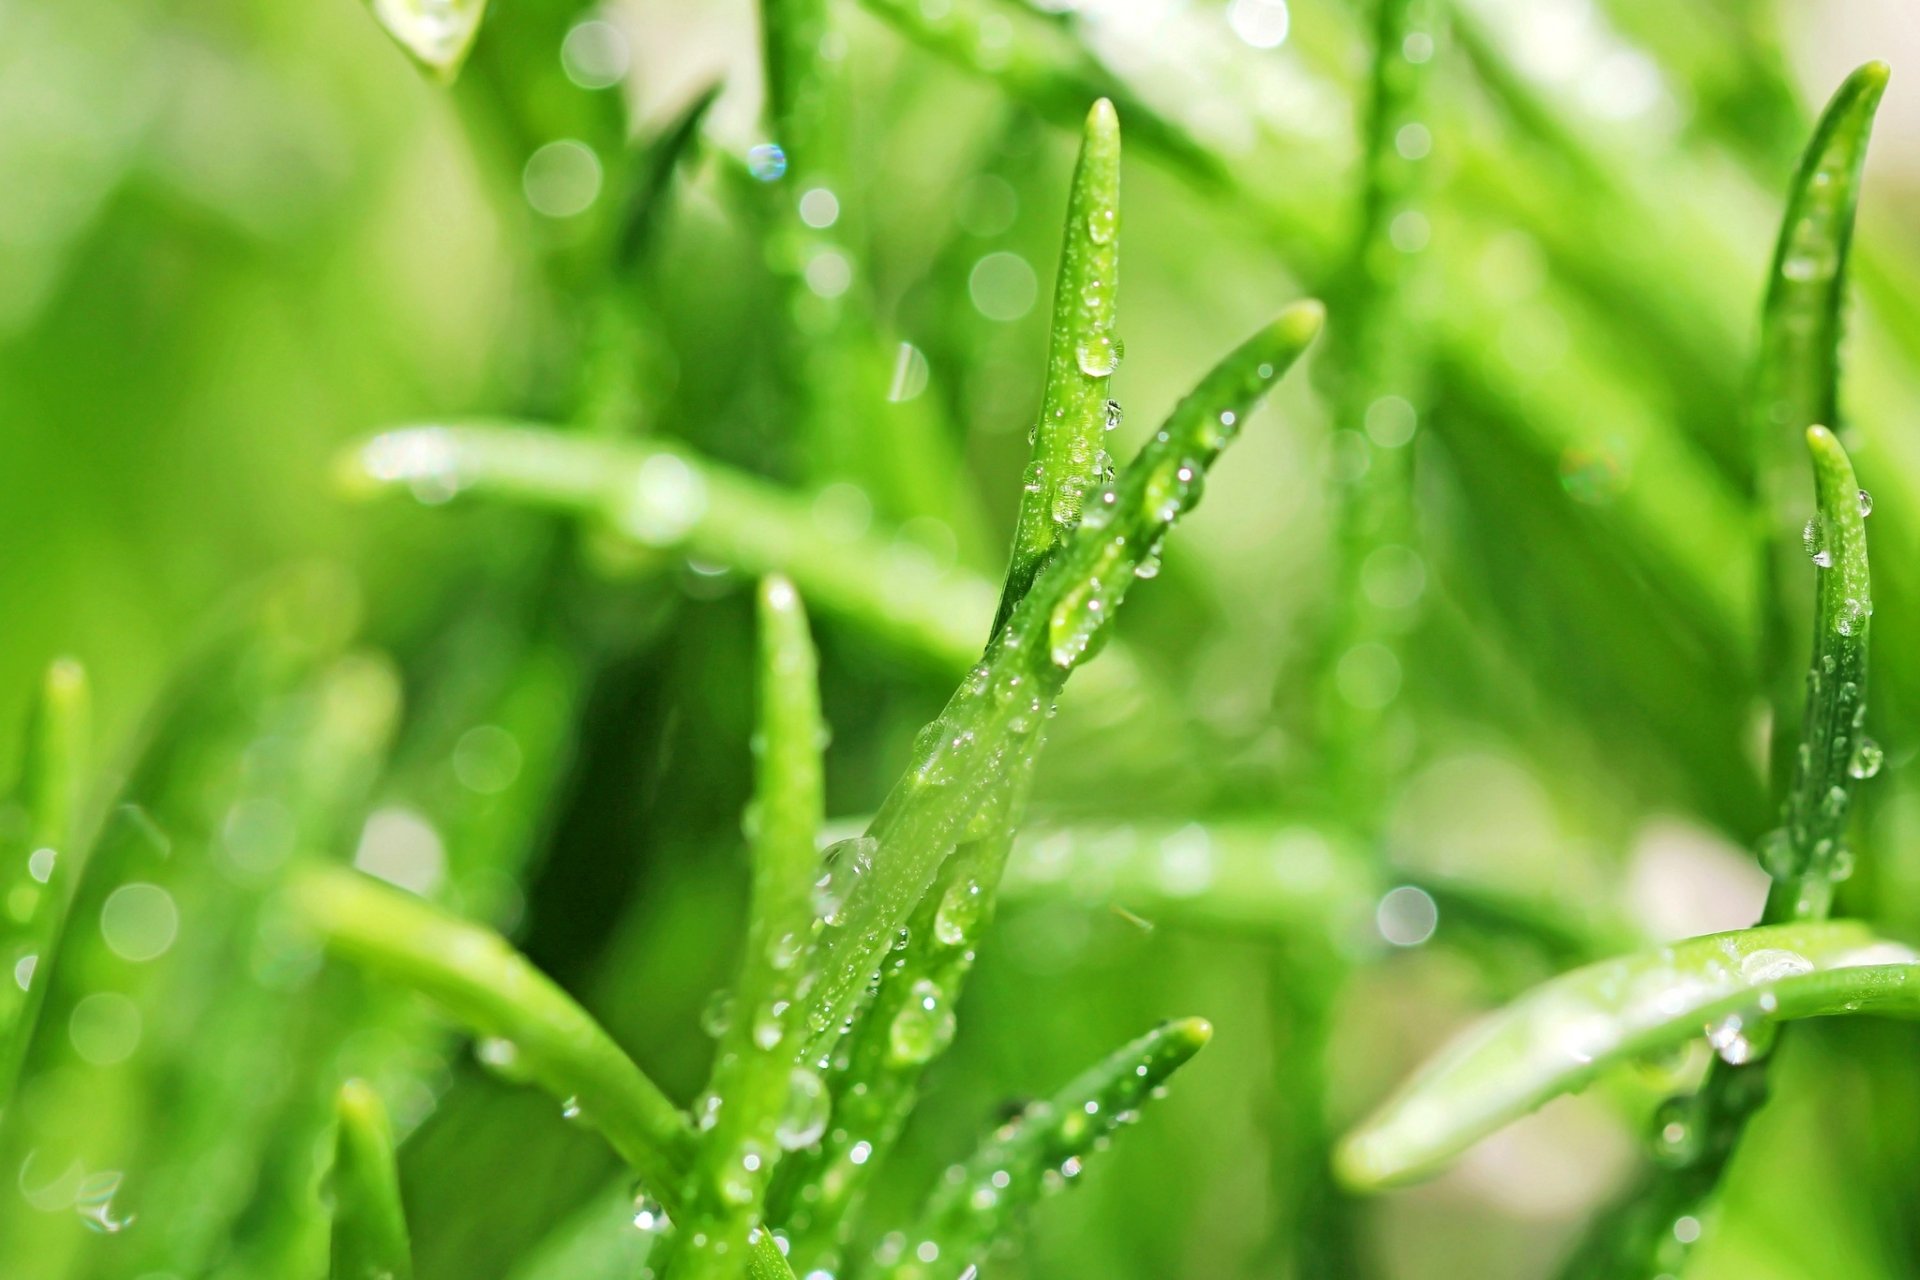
(1466, 696)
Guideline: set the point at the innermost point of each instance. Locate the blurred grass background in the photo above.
(235, 238)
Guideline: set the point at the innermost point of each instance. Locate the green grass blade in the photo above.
(665, 498)
(762, 1104)
(1796, 376)
(481, 980)
(1069, 462)
(369, 1225)
(1042, 1149)
(906, 1025)
(992, 720)
(37, 877)
(437, 34)
(1576, 1026)
(1807, 855)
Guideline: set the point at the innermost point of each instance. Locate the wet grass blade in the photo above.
(1556, 1040)
(539, 1032)
(760, 1103)
(1069, 462)
(668, 499)
(1808, 854)
(369, 1225)
(437, 34)
(1796, 377)
(992, 720)
(36, 877)
(982, 1201)
(479, 978)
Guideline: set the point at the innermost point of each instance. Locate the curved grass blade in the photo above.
(992, 720)
(761, 1103)
(437, 34)
(37, 877)
(484, 982)
(1796, 375)
(1042, 1149)
(481, 980)
(369, 1225)
(1556, 1040)
(1075, 413)
(668, 499)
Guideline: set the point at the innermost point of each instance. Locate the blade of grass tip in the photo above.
(369, 1225)
(991, 722)
(436, 34)
(1795, 381)
(1069, 462)
(760, 1104)
(1806, 856)
(980, 1203)
(35, 882)
(1378, 380)
(1566, 1032)
(535, 1029)
(666, 498)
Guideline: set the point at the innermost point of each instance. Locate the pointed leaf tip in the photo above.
(1102, 118)
(1302, 322)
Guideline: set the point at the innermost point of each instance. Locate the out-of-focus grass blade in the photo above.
(1556, 1040)
(981, 1202)
(369, 1225)
(1796, 375)
(535, 1029)
(36, 877)
(437, 34)
(760, 1102)
(598, 1241)
(667, 498)
(993, 719)
(1075, 413)
(1377, 371)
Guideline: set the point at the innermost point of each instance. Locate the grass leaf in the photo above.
(760, 1103)
(1068, 459)
(1572, 1028)
(980, 1202)
(36, 877)
(992, 720)
(667, 498)
(369, 1225)
(1796, 378)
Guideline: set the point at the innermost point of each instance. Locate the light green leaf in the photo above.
(1733, 987)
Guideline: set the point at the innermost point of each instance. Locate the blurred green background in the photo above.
(235, 239)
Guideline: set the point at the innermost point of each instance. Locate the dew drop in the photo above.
(1866, 504)
(923, 1027)
(808, 1109)
(1867, 758)
(959, 912)
(767, 162)
(1098, 357)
